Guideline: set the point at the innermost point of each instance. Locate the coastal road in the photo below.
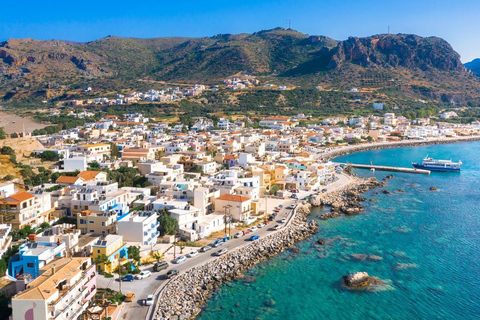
(153, 284)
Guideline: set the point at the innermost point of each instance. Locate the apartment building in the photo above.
(115, 250)
(32, 256)
(140, 227)
(97, 223)
(61, 292)
(24, 208)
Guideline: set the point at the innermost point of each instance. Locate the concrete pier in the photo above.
(386, 168)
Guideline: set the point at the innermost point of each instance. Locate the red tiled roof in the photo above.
(233, 198)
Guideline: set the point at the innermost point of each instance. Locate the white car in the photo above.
(253, 229)
(192, 254)
(149, 300)
(221, 252)
(142, 275)
(284, 220)
(180, 259)
(261, 225)
(277, 227)
(239, 234)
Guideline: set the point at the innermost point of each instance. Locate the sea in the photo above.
(424, 245)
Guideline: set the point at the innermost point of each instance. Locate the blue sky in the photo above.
(455, 21)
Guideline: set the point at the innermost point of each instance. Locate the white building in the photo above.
(141, 227)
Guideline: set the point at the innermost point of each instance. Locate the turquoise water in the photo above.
(433, 234)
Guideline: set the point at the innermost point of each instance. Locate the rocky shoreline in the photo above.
(184, 295)
(347, 200)
(385, 145)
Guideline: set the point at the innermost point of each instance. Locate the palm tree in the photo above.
(157, 256)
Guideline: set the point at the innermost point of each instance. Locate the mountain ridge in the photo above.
(403, 61)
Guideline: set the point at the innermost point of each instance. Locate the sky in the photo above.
(87, 20)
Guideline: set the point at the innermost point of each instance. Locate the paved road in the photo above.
(142, 288)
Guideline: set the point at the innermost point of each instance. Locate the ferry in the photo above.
(438, 165)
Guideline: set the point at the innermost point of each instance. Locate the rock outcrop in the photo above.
(344, 201)
(360, 280)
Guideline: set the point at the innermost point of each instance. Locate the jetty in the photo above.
(387, 168)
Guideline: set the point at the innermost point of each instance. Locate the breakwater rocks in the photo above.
(384, 145)
(184, 295)
(347, 200)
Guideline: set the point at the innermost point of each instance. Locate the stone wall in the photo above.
(184, 295)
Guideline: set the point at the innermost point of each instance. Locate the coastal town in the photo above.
(115, 218)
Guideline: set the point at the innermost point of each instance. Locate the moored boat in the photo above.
(438, 165)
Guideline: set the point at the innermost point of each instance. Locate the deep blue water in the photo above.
(434, 234)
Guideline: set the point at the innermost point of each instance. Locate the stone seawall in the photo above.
(385, 145)
(184, 295)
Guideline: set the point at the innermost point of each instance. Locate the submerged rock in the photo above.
(358, 257)
(403, 266)
(373, 200)
(321, 241)
(433, 189)
(356, 280)
(400, 191)
(386, 191)
(373, 257)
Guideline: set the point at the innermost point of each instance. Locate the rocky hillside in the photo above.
(474, 66)
(401, 64)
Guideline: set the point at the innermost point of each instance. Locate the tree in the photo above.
(114, 151)
(3, 134)
(168, 224)
(5, 310)
(157, 256)
(49, 156)
(273, 190)
(3, 267)
(6, 150)
(134, 253)
(355, 141)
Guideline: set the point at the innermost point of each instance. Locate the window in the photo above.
(98, 251)
(91, 231)
(90, 221)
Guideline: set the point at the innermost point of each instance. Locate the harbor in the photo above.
(387, 168)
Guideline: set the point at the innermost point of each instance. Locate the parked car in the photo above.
(246, 231)
(324, 190)
(261, 225)
(238, 234)
(294, 196)
(221, 252)
(129, 297)
(253, 229)
(253, 238)
(290, 207)
(277, 227)
(280, 205)
(128, 277)
(171, 273)
(283, 220)
(142, 275)
(205, 248)
(159, 266)
(218, 243)
(192, 254)
(149, 300)
(180, 259)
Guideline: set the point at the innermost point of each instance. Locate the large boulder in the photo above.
(357, 280)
